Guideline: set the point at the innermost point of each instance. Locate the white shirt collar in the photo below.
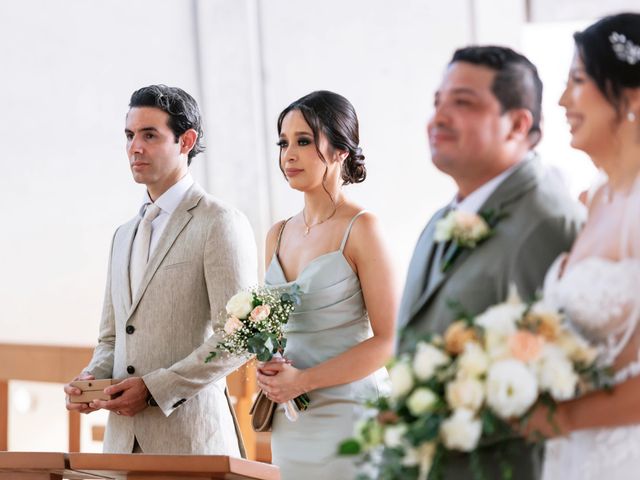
(474, 201)
(170, 199)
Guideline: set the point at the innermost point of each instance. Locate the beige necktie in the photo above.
(140, 248)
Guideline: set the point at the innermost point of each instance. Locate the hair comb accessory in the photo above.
(625, 50)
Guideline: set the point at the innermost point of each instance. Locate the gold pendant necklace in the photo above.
(308, 227)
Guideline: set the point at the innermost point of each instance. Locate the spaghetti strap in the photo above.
(346, 234)
(277, 250)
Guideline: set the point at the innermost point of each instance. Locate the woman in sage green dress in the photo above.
(342, 333)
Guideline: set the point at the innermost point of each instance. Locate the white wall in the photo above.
(70, 66)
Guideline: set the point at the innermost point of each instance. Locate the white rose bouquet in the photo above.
(484, 374)
(255, 321)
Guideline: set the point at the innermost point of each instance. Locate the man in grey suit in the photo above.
(486, 123)
(171, 270)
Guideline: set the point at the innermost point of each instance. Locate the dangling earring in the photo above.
(631, 117)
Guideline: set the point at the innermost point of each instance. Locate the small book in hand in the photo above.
(91, 390)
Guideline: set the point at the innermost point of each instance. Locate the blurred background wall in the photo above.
(68, 68)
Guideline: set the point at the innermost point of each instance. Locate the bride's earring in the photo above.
(631, 116)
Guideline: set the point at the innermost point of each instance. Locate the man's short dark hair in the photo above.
(181, 107)
(516, 84)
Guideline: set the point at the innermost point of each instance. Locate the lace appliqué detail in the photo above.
(600, 298)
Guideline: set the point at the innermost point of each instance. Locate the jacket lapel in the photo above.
(420, 268)
(525, 176)
(176, 223)
(129, 233)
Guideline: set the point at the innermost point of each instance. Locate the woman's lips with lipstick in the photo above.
(574, 120)
(292, 172)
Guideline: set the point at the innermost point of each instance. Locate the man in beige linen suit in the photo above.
(159, 314)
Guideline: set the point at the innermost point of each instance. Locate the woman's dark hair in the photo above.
(335, 117)
(516, 83)
(610, 52)
(181, 107)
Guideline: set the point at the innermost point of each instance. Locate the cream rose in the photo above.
(240, 304)
(261, 312)
(422, 400)
(461, 431)
(465, 393)
(556, 374)
(473, 362)
(401, 379)
(427, 359)
(231, 325)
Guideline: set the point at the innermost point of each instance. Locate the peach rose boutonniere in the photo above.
(464, 230)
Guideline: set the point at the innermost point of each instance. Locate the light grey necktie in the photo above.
(140, 248)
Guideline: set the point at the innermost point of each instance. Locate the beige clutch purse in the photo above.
(262, 412)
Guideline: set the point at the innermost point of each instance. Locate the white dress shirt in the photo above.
(167, 202)
(474, 201)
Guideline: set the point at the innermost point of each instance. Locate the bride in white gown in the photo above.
(597, 284)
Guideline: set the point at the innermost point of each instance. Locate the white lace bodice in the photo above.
(601, 299)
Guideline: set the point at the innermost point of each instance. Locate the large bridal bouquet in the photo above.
(255, 320)
(485, 373)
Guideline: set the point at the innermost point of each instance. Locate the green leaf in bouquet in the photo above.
(425, 429)
(264, 355)
(210, 357)
(350, 446)
(459, 312)
(256, 343)
(269, 343)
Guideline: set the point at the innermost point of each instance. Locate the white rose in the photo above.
(422, 400)
(473, 362)
(461, 431)
(427, 358)
(501, 318)
(465, 392)
(556, 374)
(393, 435)
(511, 388)
(240, 305)
(401, 379)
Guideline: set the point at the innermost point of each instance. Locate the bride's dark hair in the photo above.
(335, 117)
(610, 52)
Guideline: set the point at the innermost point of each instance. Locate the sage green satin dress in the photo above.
(330, 320)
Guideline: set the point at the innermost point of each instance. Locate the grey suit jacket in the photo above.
(541, 222)
(206, 253)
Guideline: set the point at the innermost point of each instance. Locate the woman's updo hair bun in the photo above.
(353, 169)
(335, 117)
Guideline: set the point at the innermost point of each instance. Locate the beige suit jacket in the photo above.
(163, 334)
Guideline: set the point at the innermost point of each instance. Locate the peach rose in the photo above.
(457, 336)
(260, 313)
(232, 324)
(525, 346)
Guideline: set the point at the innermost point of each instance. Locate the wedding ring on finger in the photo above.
(118, 412)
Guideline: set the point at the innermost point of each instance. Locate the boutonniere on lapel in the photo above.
(464, 230)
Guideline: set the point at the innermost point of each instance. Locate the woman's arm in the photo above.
(365, 250)
(600, 409)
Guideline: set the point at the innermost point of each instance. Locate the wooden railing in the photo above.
(59, 364)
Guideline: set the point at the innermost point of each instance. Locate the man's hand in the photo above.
(131, 397)
(69, 390)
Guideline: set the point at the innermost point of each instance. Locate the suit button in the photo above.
(131, 370)
(130, 329)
